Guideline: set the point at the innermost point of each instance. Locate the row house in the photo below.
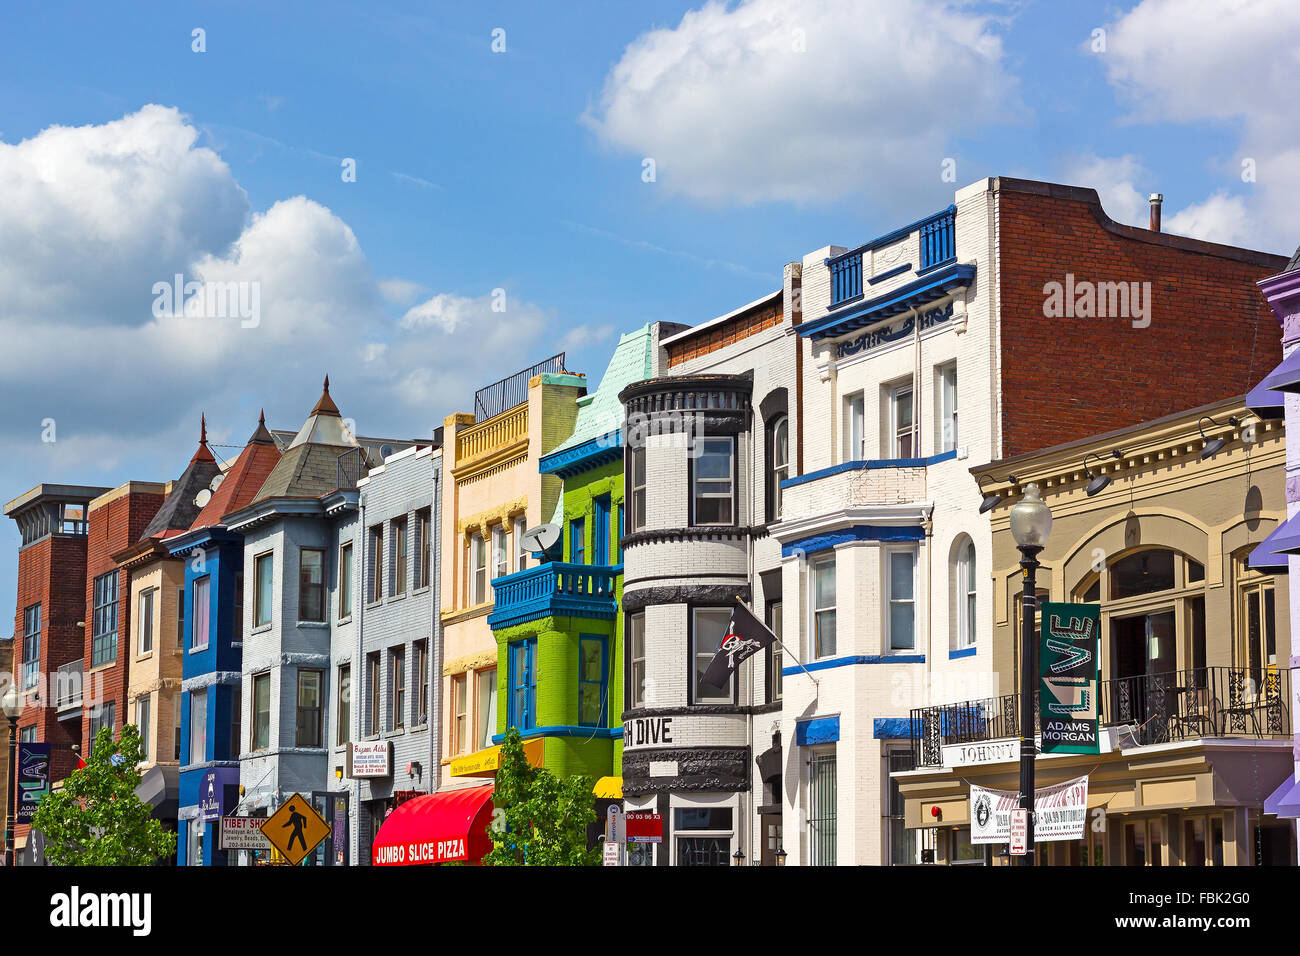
(1007, 322)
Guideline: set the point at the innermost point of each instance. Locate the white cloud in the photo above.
(731, 110)
(1115, 178)
(1232, 63)
(400, 291)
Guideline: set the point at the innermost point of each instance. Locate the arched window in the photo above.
(964, 594)
(778, 444)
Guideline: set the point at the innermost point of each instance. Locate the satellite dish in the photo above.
(203, 497)
(216, 481)
(385, 451)
(541, 538)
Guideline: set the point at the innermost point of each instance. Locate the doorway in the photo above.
(1142, 664)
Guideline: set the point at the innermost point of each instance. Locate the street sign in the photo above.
(1068, 657)
(243, 833)
(1019, 831)
(609, 854)
(644, 827)
(295, 829)
(615, 825)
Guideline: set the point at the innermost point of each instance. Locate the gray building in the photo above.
(397, 644)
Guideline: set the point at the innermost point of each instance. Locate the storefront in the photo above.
(447, 827)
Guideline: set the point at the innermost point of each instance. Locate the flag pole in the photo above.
(784, 649)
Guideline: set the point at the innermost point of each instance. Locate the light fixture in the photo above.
(1097, 482)
(992, 499)
(1031, 521)
(11, 704)
(780, 856)
(738, 858)
(1213, 445)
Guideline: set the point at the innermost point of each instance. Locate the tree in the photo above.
(96, 819)
(541, 818)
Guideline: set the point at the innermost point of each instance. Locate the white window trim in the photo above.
(813, 564)
(732, 496)
(949, 407)
(521, 555)
(887, 602)
(153, 595)
(475, 542)
(730, 691)
(855, 426)
(963, 591)
(895, 393)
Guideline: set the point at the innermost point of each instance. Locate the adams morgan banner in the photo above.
(1068, 674)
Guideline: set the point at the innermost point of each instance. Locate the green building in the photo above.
(558, 628)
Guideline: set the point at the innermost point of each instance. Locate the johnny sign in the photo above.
(1068, 674)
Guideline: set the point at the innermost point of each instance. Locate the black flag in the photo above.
(746, 636)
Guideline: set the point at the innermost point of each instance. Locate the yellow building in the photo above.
(492, 493)
(1195, 695)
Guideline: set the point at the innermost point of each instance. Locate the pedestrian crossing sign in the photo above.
(295, 829)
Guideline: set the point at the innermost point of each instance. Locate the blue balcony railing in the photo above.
(938, 241)
(846, 278)
(555, 588)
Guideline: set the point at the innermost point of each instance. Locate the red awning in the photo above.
(436, 828)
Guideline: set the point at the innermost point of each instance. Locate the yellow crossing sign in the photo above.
(295, 829)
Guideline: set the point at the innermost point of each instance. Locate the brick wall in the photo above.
(717, 337)
(1211, 336)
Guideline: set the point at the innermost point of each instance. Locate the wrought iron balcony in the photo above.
(1205, 702)
(66, 691)
(555, 588)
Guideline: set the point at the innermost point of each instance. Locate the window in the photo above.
(902, 435)
(577, 541)
(904, 846)
(198, 726)
(636, 472)
(477, 570)
(713, 482)
(421, 664)
(399, 556)
(500, 553)
(345, 581)
(372, 694)
(964, 595)
(423, 542)
(1143, 572)
(600, 530)
(261, 711)
(104, 629)
(397, 688)
(704, 836)
(901, 588)
(591, 681)
(31, 645)
(775, 657)
(72, 519)
(778, 450)
(523, 684)
(202, 608)
(618, 540)
(144, 621)
(1257, 638)
(104, 717)
(28, 734)
(310, 708)
(948, 407)
(485, 706)
(376, 564)
(143, 724)
(822, 583)
(636, 678)
(177, 702)
(460, 714)
(263, 581)
(180, 621)
(855, 434)
(708, 626)
(311, 584)
(344, 731)
(521, 551)
(822, 805)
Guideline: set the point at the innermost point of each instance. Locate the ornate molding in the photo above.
(718, 594)
(699, 769)
(696, 533)
(893, 333)
(486, 519)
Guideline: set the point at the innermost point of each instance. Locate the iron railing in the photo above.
(554, 586)
(350, 468)
(1172, 706)
(512, 390)
(68, 679)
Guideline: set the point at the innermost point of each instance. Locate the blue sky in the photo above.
(776, 127)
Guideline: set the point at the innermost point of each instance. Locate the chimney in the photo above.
(1156, 199)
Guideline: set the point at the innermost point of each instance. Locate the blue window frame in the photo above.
(592, 683)
(523, 684)
(618, 543)
(600, 530)
(577, 541)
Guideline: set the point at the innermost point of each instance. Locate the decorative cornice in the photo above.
(699, 769)
(484, 520)
(583, 457)
(880, 516)
(936, 284)
(694, 533)
(894, 332)
(715, 594)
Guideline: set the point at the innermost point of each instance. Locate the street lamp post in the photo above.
(11, 704)
(1031, 523)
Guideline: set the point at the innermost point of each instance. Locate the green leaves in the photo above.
(541, 819)
(96, 819)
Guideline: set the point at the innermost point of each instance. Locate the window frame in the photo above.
(397, 677)
(343, 710)
(31, 646)
(477, 566)
(206, 614)
(256, 741)
(636, 493)
(318, 720)
(199, 695)
(774, 618)
(375, 547)
(343, 578)
(484, 723)
(889, 553)
(373, 690)
(896, 431)
(143, 723)
(522, 682)
(634, 696)
(965, 594)
(500, 557)
(401, 562)
(518, 526)
(578, 541)
(855, 426)
(816, 564)
(778, 463)
(694, 654)
(601, 507)
(263, 591)
(306, 588)
(423, 543)
(601, 683)
(731, 496)
(949, 435)
(145, 620)
(104, 619)
(461, 715)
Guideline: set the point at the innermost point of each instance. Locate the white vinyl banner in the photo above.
(1060, 812)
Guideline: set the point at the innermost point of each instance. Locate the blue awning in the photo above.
(1271, 553)
(817, 730)
(1286, 377)
(1284, 802)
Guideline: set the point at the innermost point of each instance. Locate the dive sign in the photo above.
(1068, 674)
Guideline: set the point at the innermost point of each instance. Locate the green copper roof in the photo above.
(600, 412)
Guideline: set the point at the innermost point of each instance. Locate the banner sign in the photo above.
(33, 778)
(1060, 812)
(1068, 675)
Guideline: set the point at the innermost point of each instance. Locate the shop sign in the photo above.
(1060, 812)
(967, 755)
(218, 790)
(1068, 674)
(33, 778)
(427, 851)
(243, 833)
(609, 854)
(372, 758)
(644, 827)
(648, 732)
